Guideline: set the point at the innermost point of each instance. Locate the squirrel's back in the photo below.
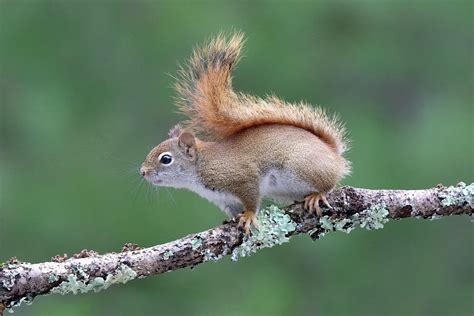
(216, 111)
(283, 162)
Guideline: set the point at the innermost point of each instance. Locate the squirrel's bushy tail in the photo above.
(216, 111)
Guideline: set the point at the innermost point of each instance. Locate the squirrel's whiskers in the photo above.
(235, 149)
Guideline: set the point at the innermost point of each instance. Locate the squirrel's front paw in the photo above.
(311, 203)
(247, 218)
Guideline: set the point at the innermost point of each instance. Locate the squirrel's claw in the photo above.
(311, 203)
(325, 201)
(247, 219)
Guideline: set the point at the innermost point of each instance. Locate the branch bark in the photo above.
(88, 271)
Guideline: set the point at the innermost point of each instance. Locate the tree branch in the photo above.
(352, 207)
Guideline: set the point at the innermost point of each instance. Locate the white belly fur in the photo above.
(284, 186)
(227, 202)
(278, 185)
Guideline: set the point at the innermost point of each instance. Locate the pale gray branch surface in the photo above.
(21, 282)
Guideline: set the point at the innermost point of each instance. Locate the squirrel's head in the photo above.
(173, 162)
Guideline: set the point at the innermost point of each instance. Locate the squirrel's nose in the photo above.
(143, 171)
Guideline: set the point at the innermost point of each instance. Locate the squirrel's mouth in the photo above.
(153, 179)
(156, 181)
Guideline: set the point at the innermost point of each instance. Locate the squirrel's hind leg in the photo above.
(311, 202)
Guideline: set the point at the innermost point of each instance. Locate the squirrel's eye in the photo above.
(166, 159)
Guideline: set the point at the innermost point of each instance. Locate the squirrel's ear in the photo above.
(187, 143)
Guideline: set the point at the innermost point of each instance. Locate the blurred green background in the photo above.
(86, 92)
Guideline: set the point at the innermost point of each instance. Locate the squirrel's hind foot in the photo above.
(311, 203)
(247, 219)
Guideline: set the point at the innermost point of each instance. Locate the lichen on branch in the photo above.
(73, 285)
(87, 271)
(274, 228)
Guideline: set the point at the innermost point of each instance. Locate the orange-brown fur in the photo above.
(216, 111)
(237, 163)
(251, 146)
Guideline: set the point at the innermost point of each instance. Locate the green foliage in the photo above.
(86, 91)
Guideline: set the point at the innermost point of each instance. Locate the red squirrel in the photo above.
(236, 148)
